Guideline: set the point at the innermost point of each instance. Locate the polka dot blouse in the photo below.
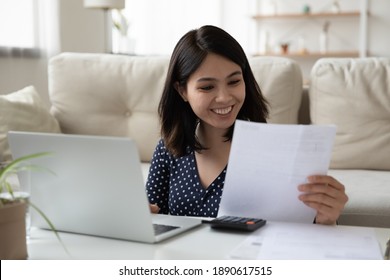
(174, 185)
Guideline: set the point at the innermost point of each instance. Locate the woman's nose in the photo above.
(223, 95)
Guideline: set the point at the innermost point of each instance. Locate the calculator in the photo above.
(235, 223)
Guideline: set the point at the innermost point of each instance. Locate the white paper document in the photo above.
(294, 241)
(267, 162)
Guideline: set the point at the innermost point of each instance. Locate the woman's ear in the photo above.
(181, 90)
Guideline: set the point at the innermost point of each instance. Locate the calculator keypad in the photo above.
(239, 223)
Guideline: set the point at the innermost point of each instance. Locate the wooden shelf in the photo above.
(307, 16)
(313, 54)
(299, 20)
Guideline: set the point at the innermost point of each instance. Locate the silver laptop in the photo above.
(98, 187)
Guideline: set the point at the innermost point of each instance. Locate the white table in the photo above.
(198, 244)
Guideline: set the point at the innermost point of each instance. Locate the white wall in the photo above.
(81, 30)
(378, 28)
(16, 73)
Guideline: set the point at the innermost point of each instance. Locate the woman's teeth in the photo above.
(223, 111)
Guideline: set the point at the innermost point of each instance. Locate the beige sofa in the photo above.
(354, 94)
(118, 95)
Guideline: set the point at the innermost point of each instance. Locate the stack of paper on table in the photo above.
(294, 241)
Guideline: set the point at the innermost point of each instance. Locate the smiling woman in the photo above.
(209, 85)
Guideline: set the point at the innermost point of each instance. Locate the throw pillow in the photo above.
(354, 94)
(23, 110)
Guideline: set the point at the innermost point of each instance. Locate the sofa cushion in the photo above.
(102, 94)
(280, 80)
(369, 197)
(23, 110)
(354, 94)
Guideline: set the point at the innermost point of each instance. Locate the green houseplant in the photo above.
(13, 209)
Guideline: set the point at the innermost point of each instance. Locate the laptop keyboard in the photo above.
(159, 229)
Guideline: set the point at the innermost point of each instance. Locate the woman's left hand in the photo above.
(326, 195)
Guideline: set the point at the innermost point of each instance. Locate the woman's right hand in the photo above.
(154, 208)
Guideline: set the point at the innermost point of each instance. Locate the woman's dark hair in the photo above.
(178, 121)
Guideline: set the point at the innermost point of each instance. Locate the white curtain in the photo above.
(155, 26)
(29, 28)
(48, 27)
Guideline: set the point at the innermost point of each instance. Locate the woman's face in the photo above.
(216, 92)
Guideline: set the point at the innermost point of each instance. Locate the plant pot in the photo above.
(13, 232)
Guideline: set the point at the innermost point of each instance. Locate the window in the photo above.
(155, 26)
(18, 26)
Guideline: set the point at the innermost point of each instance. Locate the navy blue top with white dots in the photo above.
(174, 185)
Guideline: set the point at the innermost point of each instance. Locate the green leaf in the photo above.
(18, 165)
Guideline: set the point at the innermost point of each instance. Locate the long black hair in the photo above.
(178, 121)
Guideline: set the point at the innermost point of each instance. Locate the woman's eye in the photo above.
(206, 88)
(234, 82)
